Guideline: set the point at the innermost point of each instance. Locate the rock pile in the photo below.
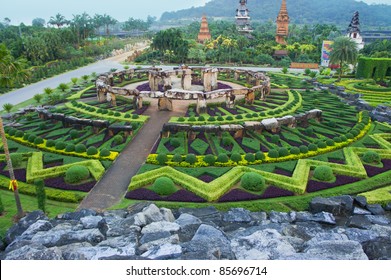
(335, 228)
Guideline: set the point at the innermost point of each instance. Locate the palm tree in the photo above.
(8, 107)
(344, 51)
(58, 20)
(11, 70)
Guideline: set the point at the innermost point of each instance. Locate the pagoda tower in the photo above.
(243, 19)
(282, 24)
(354, 31)
(204, 34)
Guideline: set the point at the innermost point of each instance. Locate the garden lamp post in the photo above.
(13, 183)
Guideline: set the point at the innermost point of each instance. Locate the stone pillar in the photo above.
(230, 100)
(207, 81)
(191, 135)
(167, 83)
(101, 95)
(111, 80)
(186, 79)
(214, 78)
(201, 105)
(250, 97)
(164, 104)
(238, 134)
(236, 76)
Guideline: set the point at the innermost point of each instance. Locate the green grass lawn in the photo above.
(29, 204)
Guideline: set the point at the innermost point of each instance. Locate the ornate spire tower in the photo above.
(204, 34)
(354, 31)
(243, 18)
(282, 24)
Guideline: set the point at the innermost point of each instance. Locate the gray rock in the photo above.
(77, 215)
(70, 252)
(118, 227)
(326, 236)
(116, 213)
(382, 231)
(97, 253)
(277, 217)
(359, 222)
(322, 217)
(360, 211)
(361, 201)
(379, 220)
(35, 253)
(167, 215)
(41, 225)
(388, 207)
(139, 220)
(90, 222)
(208, 243)
(360, 235)
(172, 239)
(187, 220)
(305, 231)
(378, 249)
(259, 217)
(17, 244)
(207, 215)
(163, 252)
(127, 245)
(149, 237)
(18, 229)
(55, 238)
(136, 208)
(336, 250)
(152, 214)
(237, 215)
(338, 206)
(262, 245)
(375, 209)
(161, 226)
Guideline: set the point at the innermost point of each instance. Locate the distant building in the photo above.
(204, 34)
(354, 31)
(243, 19)
(282, 24)
(371, 36)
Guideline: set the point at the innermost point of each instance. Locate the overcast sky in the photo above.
(26, 10)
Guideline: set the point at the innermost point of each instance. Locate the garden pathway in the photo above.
(113, 185)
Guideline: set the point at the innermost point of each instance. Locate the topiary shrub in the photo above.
(236, 157)
(192, 119)
(70, 148)
(38, 141)
(295, 151)
(191, 158)
(50, 143)
(210, 159)
(259, 156)
(117, 114)
(343, 138)
(201, 118)
(223, 158)
(337, 139)
(31, 138)
(312, 147)
(80, 148)
(252, 181)
(104, 152)
(19, 134)
(324, 173)
(332, 124)
(250, 157)
(321, 145)
(74, 133)
(118, 139)
(349, 135)
(355, 132)
(12, 131)
(175, 142)
(273, 154)
(135, 116)
(283, 152)
(26, 136)
(161, 158)
(92, 151)
(229, 118)
(303, 149)
(181, 119)
(16, 160)
(177, 158)
(211, 119)
(371, 157)
(330, 142)
(220, 118)
(309, 131)
(239, 117)
(41, 194)
(77, 173)
(275, 138)
(226, 141)
(60, 146)
(164, 186)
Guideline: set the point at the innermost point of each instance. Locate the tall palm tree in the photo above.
(58, 20)
(11, 70)
(344, 51)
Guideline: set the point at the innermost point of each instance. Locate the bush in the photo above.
(104, 152)
(76, 174)
(175, 142)
(181, 119)
(273, 154)
(38, 141)
(220, 118)
(16, 160)
(332, 124)
(303, 149)
(252, 181)
(371, 157)
(295, 151)
(275, 139)
(31, 138)
(349, 135)
(239, 117)
(135, 116)
(118, 139)
(192, 119)
(283, 152)
(41, 194)
(259, 156)
(60, 146)
(223, 158)
(210, 159)
(92, 151)
(343, 138)
(330, 142)
(74, 133)
(226, 141)
(321, 145)
(309, 131)
(50, 143)
(355, 132)
(177, 158)
(323, 173)
(164, 186)
(337, 139)
(312, 147)
(229, 118)
(236, 157)
(117, 114)
(161, 158)
(191, 158)
(19, 134)
(249, 157)
(201, 118)
(80, 148)
(70, 148)
(211, 119)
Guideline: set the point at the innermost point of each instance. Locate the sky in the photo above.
(26, 10)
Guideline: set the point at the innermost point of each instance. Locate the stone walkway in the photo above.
(113, 185)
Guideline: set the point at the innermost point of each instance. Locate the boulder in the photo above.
(338, 206)
(303, 230)
(35, 252)
(90, 222)
(388, 207)
(336, 250)
(360, 211)
(378, 249)
(77, 215)
(361, 201)
(326, 236)
(322, 217)
(163, 252)
(375, 209)
(206, 215)
(118, 227)
(127, 245)
(19, 228)
(40, 225)
(237, 215)
(161, 226)
(262, 245)
(379, 220)
(189, 225)
(172, 239)
(360, 235)
(359, 221)
(277, 217)
(152, 214)
(55, 238)
(116, 213)
(167, 215)
(149, 237)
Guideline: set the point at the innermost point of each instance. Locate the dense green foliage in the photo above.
(253, 182)
(41, 194)
(324, 173)
(164, 186)
(376, 68)
(371, 157)
(77, 173)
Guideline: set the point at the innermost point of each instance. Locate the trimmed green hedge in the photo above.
(376, 68)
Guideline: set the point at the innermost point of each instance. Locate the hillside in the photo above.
(301, 11)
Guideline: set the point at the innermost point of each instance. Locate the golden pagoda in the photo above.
(282, 24)
(204, 34)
